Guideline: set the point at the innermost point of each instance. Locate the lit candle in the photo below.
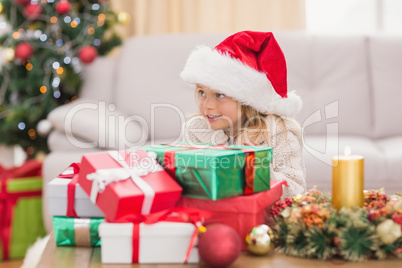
(347, 180)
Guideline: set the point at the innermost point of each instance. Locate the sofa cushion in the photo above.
(58, 141)
(319, 150)
(148, 74)
(99, 79)
(392, 150)
(330, 74)
(385, 69)
(98, 124)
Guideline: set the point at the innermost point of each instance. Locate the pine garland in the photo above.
(309, 226)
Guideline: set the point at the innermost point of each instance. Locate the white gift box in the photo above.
(57, 200)
(162, 242)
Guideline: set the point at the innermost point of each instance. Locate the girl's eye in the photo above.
(220, 95)
(201, 93)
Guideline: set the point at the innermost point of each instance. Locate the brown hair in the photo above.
(255, 126)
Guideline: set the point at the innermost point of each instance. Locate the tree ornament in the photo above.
(389, 231)
(32, 11)
(63, 7)
(8, 54)
(24, 51)
(22, 2)
(219, 246)
(44, 127)
(87, 54)
(260, 240)
(123, 18)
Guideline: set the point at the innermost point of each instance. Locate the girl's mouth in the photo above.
(212, 118)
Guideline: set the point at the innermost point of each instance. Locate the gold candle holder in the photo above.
(347, 180)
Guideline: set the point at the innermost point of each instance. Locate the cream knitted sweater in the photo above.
(284, 138)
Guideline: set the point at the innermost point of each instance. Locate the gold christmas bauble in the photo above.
(1, 7)
(389, 231)
(123, 18)
(8, 54)
(260, 240)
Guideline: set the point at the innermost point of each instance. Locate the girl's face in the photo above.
(221, 111)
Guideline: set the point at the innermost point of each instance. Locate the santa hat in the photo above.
(249, 67)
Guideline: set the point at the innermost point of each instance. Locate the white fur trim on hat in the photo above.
(229, 76)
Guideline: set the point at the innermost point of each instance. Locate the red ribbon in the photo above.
(249, 170)
(177, 214)
(136, 243)
(71, 198)
(76, 169)
(8, 200)
(71, 188)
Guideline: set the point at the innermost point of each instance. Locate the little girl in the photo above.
(241, 88)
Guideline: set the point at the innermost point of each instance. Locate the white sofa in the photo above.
(351, 87)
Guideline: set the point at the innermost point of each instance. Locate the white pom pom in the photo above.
(43, 128)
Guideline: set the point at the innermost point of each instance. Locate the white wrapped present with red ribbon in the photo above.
(169, 236)
(66, 197)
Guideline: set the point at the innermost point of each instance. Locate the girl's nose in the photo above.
(209, 103)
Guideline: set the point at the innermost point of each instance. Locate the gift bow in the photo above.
(102, 177)
(69, 173)
(177, 214)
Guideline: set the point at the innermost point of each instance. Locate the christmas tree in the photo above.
(45, 47)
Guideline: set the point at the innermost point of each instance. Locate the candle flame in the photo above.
(348, 151)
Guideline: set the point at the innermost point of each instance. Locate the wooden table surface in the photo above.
(60, 257)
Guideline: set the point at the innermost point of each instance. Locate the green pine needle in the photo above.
(356, 243)
(281, 231)
(296, 242)
(321, 242)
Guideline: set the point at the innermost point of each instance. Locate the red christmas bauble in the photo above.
(32, 11)
(22, 2)
(63, 7)
(219, 246)
(23, 51)
(87, 54)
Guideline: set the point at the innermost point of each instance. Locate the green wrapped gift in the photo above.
(215, 172)
(21, 221)
(76, 231)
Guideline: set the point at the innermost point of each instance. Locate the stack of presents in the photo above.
(147, 205)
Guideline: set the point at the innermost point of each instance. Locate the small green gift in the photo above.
(76, 231)
(215, 172)
(21, 221)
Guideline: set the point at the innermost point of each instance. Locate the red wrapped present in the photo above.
(241, 212)
(127, 182)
